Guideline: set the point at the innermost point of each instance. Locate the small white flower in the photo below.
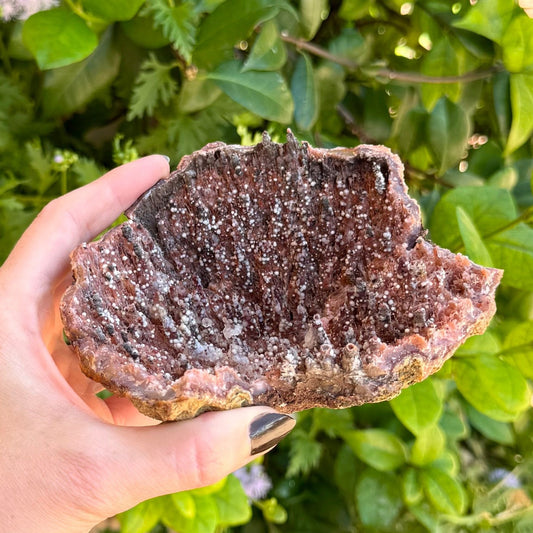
(58, 158)
(22, 9)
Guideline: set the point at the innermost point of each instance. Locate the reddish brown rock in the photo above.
(277, 274)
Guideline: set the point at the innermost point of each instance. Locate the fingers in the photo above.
(124, 413)
(42, 253)
(184, 455)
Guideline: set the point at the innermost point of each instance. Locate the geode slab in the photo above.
(276, 274)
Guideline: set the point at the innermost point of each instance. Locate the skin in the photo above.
(68, 459)
(527, 6)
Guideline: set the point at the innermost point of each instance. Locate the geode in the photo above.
(276, 274)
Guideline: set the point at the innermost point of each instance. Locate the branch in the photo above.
(392, 75)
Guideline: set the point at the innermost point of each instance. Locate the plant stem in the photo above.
(392, 75)
(76, 8)
(5, 56)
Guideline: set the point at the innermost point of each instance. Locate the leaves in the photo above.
(232, 504)
(264, 93)
(304, 93)
(178, 23)
(112, 11)
(153, 85)
(418, 407)
(268, 51)
(474, 245)
(522, 108)
(378, 498)
(142, 518)
(312, 13)
(305, 453)
(445, 493)
(68, 89)
(57, 38)
(518, 348)
(475, 378)
(447, 129)
(428, 446)
(378, 448)
(230, 23)
(517, 44)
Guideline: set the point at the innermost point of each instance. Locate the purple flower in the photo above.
(254, 481)
(507, 478)
(22, 9)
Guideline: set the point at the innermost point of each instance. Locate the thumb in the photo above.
(176, 456)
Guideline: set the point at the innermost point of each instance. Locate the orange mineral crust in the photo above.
(276, 274)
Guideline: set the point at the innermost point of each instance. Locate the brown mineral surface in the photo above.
(277, 274)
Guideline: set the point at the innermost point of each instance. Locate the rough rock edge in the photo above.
(395, 366)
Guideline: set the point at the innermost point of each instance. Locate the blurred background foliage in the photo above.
(89, 84)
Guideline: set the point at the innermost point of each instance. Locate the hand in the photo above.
(69, 459)
(527, 6)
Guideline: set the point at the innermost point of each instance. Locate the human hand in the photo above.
(527, 6)
(69, 459)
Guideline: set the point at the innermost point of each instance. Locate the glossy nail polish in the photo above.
(268, 429)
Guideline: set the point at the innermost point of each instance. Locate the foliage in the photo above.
(448, 86)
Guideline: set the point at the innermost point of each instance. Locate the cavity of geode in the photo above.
(277, 274)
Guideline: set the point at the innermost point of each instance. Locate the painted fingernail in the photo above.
(268, 429)
(166, 157)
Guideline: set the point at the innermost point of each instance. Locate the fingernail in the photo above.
(166, 157)
(268, 429)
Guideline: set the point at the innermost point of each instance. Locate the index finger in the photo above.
(42, 253)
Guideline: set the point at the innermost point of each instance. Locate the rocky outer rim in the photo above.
(393, 368)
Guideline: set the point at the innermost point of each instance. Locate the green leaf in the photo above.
(154, 84)
(58, 37)
(490, 209)
(354, 9)
(486, 344)
(492, 386)
(197, 94)
(178, 23)
(142, 518)
(345, 470)
(428, 446)
(69, 88)
(378, 448)
(447, 462)
(418, 407)
(454, 425)
(112, 11)
(312, 14)
(522, 110)
(441, 60)
(500, 432)
(184, 503)
(448, 130)
(268, 51)
(304, 453)
(518, 348)
(333, 422)
(517, 44)
(272, 511)
(210, 489)
(264, 93)
(411, 488)
(379, 500)
(444, 492)
(304, 93)
(489, 18)
(142, 31)
(228, 24)
(204, 521)
(474, 246)
(512, 251)
(232, 504)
